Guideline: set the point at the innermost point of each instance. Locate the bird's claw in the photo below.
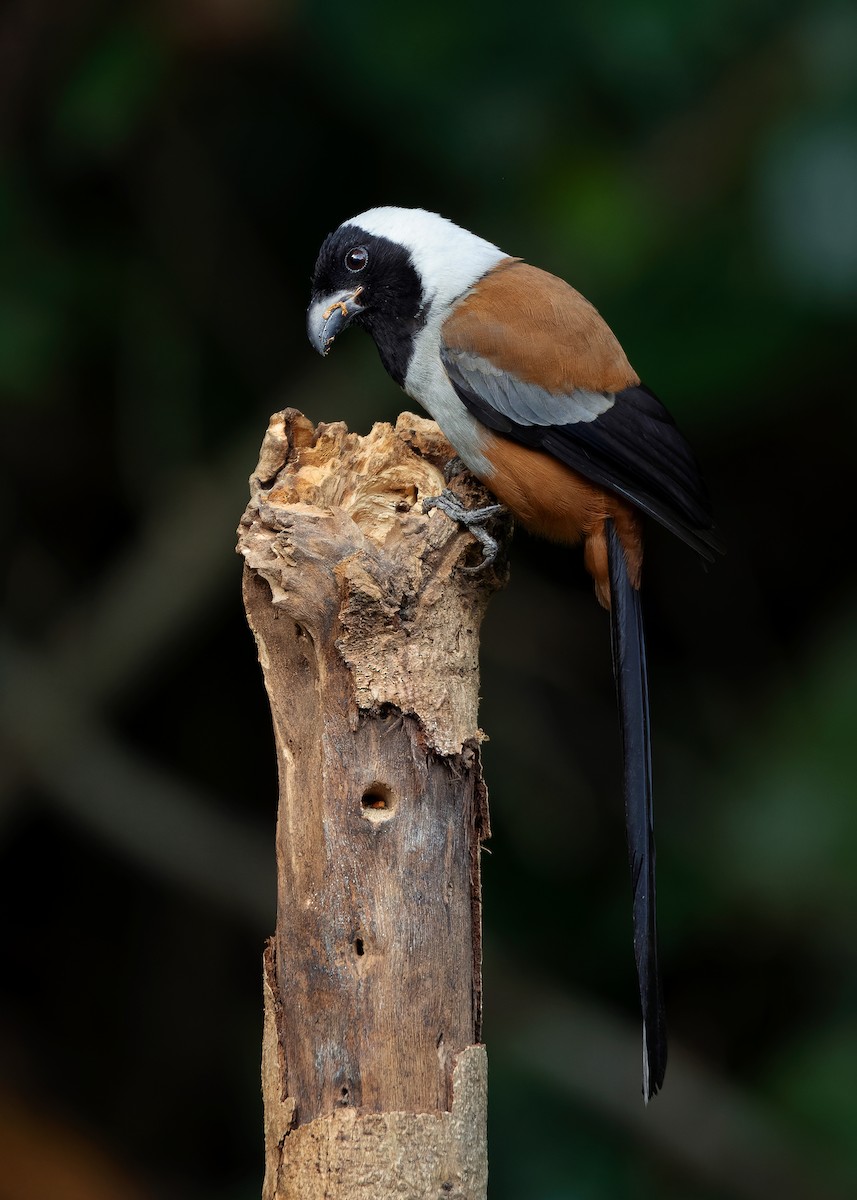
(473, 520)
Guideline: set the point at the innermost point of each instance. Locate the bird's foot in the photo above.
(473, 520)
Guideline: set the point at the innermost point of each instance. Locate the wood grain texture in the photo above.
(368, 638)
(374, 1156)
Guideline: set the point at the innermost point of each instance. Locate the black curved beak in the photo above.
(328, 316)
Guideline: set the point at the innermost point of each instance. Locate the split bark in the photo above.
(374, 1080)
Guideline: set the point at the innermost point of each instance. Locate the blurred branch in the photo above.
(161, 587)
(164, 582)
(142, 810)
(699, 1121)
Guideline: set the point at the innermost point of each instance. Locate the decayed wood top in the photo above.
(335, 526)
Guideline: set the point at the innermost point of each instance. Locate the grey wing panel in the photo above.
(632, 447)
(520, 402)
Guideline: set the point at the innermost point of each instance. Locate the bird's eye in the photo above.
(357, 258)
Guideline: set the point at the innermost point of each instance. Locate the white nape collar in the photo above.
(448, 258)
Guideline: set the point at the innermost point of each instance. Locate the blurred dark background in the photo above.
(168, 171)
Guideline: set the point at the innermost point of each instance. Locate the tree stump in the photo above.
(374, 1081)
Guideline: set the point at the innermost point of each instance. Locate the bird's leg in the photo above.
(455, 466)
(473, 520)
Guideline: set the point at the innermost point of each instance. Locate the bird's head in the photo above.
(386, 270)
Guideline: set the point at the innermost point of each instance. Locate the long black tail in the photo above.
(629, 666)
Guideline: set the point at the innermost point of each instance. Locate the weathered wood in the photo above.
(368, 637)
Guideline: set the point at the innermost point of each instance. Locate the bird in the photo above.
(535, 394)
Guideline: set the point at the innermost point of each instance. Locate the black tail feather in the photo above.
(629, 666)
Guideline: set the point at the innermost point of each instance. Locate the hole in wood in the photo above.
(378, 803)
(358, 946)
